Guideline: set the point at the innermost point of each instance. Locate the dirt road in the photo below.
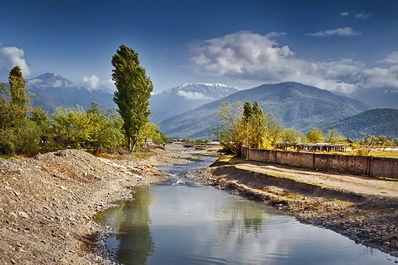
(349, 183)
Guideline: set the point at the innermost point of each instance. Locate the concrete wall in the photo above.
(384, 167)
(358, 165)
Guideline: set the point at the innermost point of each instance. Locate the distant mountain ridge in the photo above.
(52, 90)
(378, 97)
(374, 122)
(186, 97)
(297, 105)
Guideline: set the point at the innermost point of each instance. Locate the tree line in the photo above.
(248, 125)
(27, 130)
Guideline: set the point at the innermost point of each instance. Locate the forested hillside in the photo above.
(373, 122)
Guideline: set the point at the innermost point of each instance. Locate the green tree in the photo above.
(7, 138)
(133, 92)
(334, 136)
(94, 128)
(44, 123)
(6, 110)
(229, 129)
(21, 134)
(261, 129)
(105, 128)
(255, 126)
(151, 131)
(247, 125)
(19, 99)
(314, 136)
(366, 144)
(290, 136)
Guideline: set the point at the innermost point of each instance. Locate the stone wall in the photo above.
(358, 165)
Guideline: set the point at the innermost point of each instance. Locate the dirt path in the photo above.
(350, 183)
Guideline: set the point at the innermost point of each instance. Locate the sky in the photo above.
(338, 45)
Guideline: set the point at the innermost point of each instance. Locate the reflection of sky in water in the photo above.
(191, 225)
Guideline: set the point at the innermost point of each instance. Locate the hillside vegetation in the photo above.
(373, 122)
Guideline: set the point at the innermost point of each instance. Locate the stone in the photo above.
(23, 214)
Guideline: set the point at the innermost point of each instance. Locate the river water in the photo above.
(182, 221)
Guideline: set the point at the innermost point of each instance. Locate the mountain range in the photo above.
(296, 105)
(378, 97)
(186, 97)
(189, 110)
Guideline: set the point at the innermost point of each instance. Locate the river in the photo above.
(182, 221)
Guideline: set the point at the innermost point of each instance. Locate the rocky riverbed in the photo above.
(48, 202)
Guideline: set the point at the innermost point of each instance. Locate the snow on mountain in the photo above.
(52, 90)
(49, 80)
(186, 97)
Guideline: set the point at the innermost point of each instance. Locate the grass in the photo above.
(376, 153)
(231, 159)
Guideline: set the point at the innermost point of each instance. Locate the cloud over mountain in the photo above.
(11, 57)
(93, 82)
(248, 55)
(251, 56)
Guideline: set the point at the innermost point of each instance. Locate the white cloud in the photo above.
(254, 57)
(192, 95)
(362, 15)
(11, 57)
(345, 14)
(391, 58)
(249, 56)
(93, 82)
(344, 32)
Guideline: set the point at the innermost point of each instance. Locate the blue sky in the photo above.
(339, 45)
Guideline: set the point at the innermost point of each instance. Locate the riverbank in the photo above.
(48, 202)
(363, 209)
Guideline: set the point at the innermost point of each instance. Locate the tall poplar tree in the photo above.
(133, 92)
(19, 99)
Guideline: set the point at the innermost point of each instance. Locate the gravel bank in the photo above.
(48, 201)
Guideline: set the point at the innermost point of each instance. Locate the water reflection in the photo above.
(133, 243)
(238, 218)
(200, 225)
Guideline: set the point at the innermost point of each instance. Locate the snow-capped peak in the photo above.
(49, 80)
(209, 91)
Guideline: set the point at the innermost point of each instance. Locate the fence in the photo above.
(358, 165)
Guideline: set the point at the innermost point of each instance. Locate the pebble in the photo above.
(23, 214)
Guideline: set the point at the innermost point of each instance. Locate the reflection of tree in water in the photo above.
(238, 218)
(132, 222)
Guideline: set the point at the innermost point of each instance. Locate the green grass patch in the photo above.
(231, 159)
